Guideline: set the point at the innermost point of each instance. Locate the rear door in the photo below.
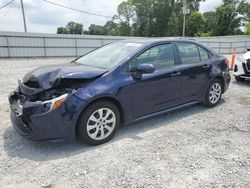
(195, 69)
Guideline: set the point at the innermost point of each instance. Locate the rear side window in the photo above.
(203, 53)
(188, 52)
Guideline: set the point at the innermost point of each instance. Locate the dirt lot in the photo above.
(192, 147)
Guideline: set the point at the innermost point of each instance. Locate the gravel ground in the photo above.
(192, 147)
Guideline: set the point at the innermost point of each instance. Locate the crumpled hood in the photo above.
(50, 76)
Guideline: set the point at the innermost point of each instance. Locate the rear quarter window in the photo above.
(203, 54)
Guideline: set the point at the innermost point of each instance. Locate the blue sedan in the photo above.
(120, 83)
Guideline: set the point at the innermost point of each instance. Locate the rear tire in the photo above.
(213, 94)
(98, 123)
(239, 79)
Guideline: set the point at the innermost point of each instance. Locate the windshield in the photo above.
(109, 56)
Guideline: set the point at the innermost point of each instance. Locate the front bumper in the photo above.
(242, 69)
(57, 124)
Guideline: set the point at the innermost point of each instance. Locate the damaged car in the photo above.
(116, 84)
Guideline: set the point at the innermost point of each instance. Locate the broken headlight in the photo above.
(54, 103)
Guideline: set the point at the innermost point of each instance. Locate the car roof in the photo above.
(151, 41)
(148, 41)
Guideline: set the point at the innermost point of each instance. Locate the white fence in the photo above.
(15, 44)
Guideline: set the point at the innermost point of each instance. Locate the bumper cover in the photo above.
(242, 69)
(57, 124)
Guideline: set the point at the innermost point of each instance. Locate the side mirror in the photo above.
(139, 70)
(145, 68)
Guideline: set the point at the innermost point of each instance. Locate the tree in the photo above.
(195, 24)
(151, 17)
(61, 30)
(160, 17)
(71, 28)
(126, 12)
(173, 25)
(228, 21)
(112, 28)
(244, 9)
(74, 28)
(125, 15)
(210, 21)
(194, 5)
(97, 30)
(247, 32)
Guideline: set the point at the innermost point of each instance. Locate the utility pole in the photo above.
(24, 20)
(184, 17)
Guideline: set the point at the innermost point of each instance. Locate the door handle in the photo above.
(175, 74)
(206, 66)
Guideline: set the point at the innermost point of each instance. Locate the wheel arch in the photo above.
(103, 98)
(219, 77)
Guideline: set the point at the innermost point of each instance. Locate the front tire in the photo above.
(213, 94)
(239, 79)
(99, 123)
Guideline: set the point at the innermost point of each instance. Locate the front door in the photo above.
(159, 90)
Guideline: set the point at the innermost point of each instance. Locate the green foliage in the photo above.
(97, 30)
(172, 26)
(244, 9)
(112, 28)
(159, 18)
(210, 21)
(208, 34)
(193, 5)
(156, 18)
(247, 32)
(71, 28)
(126, 12)
(61, 30)
(227, 20)
(195, 24)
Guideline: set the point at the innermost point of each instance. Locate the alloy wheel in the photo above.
(101, 123)
(215, 93)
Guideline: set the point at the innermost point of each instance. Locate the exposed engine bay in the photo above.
(66, 86)
(46, 88)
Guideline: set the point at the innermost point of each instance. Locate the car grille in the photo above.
(248, 65)
(245, 67)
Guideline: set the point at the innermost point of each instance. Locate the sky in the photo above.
(43, 17)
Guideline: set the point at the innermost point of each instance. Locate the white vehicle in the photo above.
(242, 67)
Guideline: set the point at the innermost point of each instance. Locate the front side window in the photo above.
(188, 52)
(161, 56)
